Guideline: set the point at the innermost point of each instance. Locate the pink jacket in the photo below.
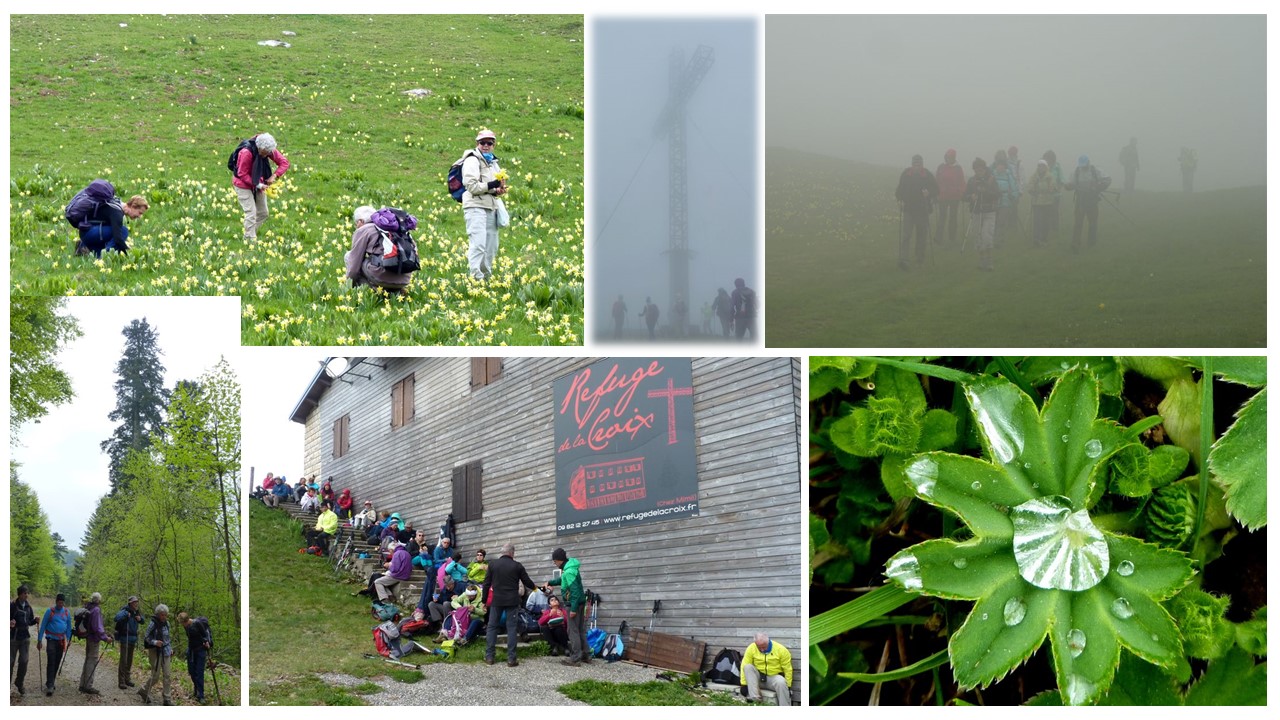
(950, 182)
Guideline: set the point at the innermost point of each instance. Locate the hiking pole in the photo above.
(63, 658)
(213, 670)
(1117, 209)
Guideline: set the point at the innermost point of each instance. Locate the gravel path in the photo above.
(65, 692)
(533, 682)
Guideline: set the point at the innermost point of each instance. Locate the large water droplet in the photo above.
(906, 570)
(1057, 548)
(1068, 423)
(1125, 568)
(1078, 690)
(985, 616)
(960, 563)
(1075, 642)
(1005, 438)
(1093, 448)
(1014, 611)
(976, 485)
(1122, 609)
(922, 473)
(1066, 438)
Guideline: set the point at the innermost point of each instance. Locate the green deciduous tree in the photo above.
(32, 558)
(36, 331)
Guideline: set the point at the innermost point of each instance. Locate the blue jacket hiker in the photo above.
(127, 620)
(56, 627)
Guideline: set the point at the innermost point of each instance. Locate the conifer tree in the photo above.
(140, 398)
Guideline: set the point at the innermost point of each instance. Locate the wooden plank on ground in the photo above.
(670, 652)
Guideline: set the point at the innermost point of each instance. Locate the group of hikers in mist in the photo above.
(994, 192)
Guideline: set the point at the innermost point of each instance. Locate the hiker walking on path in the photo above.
(619, 317)
(480, 203)
(159, 652)
(1129, 161)
(505, 577)
(128, 621)
(1089, 183)
(916, 191)
(1043, 189)
(251, 165)
(56, 628)
(950, 179)
(98, 216)
(650, 314)
(21, 618)
(722, 306)
(575, 600)
(199, 641)
(92, 642)
(983, 194)
(767, 660)
(744, 309)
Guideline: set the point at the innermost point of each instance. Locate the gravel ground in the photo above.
(533, 682)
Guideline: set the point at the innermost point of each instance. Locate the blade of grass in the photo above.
(1135, 430)
(935, 660)
(925, 369)
(881, 601)
(1206, 444)
(1012, 374)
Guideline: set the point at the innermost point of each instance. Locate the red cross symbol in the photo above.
(671, 393)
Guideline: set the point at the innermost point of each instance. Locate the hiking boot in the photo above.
(90, 691)
(48, 692)
(488, 661)
(570, 663)
(123, 686)
(146, 699)
(168, 703)
(512, 663)
(130, 683)
(21, 691)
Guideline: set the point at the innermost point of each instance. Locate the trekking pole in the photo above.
(63, 659)
(40, 665)
(1117, 209)
(213, 670)
(13, 639)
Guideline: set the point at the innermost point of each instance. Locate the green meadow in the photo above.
(157, 103)
(1180, 271)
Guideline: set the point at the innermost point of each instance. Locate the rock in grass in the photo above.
(274, 43)
(417, 92)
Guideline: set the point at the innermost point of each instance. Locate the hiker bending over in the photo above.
(56, 627)
(575, 599)
(21, 618)
(128, 620)
(199, 640)
(366, 249)
(159, 652)
(252, 162)
(768, 660)
(98, 215)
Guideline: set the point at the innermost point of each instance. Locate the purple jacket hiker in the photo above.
(401, 564)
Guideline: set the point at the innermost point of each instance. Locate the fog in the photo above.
(882, 88)
(630, 182)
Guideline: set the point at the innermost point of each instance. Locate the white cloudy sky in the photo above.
(60, 456)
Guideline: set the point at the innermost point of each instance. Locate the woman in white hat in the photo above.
(479, 204)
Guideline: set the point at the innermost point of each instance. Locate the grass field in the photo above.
(157, 106)
(1188, 271)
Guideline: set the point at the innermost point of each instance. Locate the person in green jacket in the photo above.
(575, 603)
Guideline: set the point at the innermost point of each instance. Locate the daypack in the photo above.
(410, 627)
(399, 251)
(203, 622)
(595, 640)
(454, 180)
(1090, 182)
(613, 648)
(86, 203)
(122, 622)
(386, 640)
(461, 622)
(81, 627)
(385, 611)
(726, 669)
(235, 154)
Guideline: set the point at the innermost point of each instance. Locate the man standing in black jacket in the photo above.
(916, 191)
(505, 577)
(21, 618)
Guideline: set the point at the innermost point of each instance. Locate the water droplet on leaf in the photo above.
(1078, 690)
(1093, 448)
(922, 473)
(1026, 465)
(976, 485)
(984, 616)
(1075, 642)
(960, 563)
(1125, 568)
(1066, 438)
(1122, 609)
(1056, 547)
(906, 570)
(1014, 611)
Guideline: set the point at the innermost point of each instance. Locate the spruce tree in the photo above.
(140, 398)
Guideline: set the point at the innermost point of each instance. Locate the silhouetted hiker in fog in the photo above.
(950, 179)
(916, 191)
(650, 314)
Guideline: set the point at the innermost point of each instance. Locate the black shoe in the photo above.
(570, 663)
(48, 692)
(130, 683)
(488, 661)
(124, 687)
(90, 691)
(21, 691)
(512, 663)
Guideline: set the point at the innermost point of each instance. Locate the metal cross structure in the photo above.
(684, 80)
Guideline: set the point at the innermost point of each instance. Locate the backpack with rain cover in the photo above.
(80, 628)
(595, 640)
(86, 202)
(385, 611)
(399, 251)
(454, 179)
(726, 669)
(386, 640)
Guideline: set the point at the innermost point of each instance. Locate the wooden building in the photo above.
(476, 437)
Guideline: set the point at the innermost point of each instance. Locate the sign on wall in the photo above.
(625, 444)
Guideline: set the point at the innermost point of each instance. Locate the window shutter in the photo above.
(460, 494)
(397, 405)
(337, 438)
(478, 367)
(494, 370)
(475, 504)
(346, 433)
(409, 410)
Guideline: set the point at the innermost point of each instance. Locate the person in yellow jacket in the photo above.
(326, 527)
(771, 661)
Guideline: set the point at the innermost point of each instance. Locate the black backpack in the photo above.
(81, 627)
(122, 621)
(399, 251)
(235, 154)
(726, 669)
(86, 203)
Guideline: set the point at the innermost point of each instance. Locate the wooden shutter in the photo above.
(460, 494)
(485, 371)
(408, 398)
(477, 372)
(346, 433)
(493, 370)
(341, 433)
(397, 404)
(475, 500)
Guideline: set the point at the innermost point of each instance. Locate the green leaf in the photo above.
(884, 426)
(1139, 683)
(1251, 635)
(817, 661)
(1040, 370)
(1239, 461)
(935, 660)
(938, 430)
(854, 368)
(969, 487)
(1201, 617)
(1164, 370)
(824, 381)
(1136, 471)
(956, 571)
(1168, 462)
(1170, 516)
(987, 646)
(1074, 448)
(1233, 680)
(836, 655)
(881, 601)
(892, 478)
(905, 386)
(1085, 648)
(1156, 571)
(1250, 371)
(942, 373)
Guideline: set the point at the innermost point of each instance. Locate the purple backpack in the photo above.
(399, 251)
(86, 203)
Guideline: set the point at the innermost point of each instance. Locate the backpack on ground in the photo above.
(613, 648)
(455, 626)
(409, 628)
(399, 251)
(234, 160)
(386, 640)
(81, 627)
(726, 669)
(454, 178)
(86, 202)
(385, 611)
(595, 639)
